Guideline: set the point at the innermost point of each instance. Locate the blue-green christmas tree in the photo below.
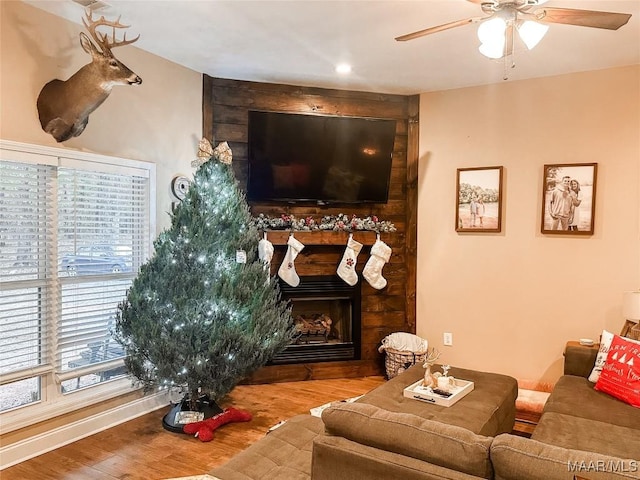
(198, 317)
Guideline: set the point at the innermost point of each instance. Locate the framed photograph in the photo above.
(479, 199)
(569, 198)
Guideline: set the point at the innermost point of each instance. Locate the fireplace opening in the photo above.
(326, 314)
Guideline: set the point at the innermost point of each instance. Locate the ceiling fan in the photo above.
(496, 31)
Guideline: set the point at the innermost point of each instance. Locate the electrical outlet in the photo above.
(447, 339)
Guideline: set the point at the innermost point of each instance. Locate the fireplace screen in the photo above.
(326, 315)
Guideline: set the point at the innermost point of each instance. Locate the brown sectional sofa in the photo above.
(582, 433)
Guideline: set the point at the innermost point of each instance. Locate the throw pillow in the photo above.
(620, 375)
(601, 358)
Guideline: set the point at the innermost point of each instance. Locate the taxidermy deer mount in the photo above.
(64, 106)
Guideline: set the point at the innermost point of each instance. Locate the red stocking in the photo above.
(204, 429)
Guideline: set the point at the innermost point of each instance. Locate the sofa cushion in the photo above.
(488, 410)
(578, 433)
(336, 458)
(518, 458)
(576, 396)
(283, 454)
(403, 433)
(620, 376)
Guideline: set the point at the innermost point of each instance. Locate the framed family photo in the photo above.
(569, 198)
(479, 199)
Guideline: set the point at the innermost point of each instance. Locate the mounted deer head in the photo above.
(64, 106)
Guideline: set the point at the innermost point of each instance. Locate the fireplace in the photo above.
(326, 313)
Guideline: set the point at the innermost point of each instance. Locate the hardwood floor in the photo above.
(142, 449)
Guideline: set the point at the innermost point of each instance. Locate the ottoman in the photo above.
(488, 410)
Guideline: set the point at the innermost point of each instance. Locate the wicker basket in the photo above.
(397, 361)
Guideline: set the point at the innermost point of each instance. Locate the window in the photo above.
(74, 231)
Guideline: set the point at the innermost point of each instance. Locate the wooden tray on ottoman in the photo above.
(417, 392)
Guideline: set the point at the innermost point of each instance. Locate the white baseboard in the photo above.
(32, 447)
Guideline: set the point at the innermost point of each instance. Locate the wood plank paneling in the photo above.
(226, 104)
(411, 245)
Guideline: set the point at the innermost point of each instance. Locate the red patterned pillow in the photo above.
(620, 375)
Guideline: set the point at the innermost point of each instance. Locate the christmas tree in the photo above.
(203, 314)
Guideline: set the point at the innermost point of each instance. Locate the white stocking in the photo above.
(265, 253)
(347, 267)
(380, 254)
(287, 271)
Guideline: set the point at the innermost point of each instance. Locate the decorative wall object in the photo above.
(479, 199)
(64, 106)
(569, 198)
(179, 186)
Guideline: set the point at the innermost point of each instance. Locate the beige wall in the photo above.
(159, 121)
(513, 299)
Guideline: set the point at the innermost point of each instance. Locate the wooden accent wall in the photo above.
(225, 116)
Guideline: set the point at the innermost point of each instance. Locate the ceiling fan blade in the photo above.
(583, 18)
(439, 28)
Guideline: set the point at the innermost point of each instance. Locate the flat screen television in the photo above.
(319, 159)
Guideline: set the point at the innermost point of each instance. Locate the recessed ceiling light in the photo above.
(343, 68)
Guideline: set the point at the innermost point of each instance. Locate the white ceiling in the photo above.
(299, 42)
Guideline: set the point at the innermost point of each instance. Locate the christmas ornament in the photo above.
(347, 267)
(287, 271)
(380, 254)
(241, 256)
(204, 429)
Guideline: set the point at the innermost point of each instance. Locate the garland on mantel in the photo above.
(336, 223)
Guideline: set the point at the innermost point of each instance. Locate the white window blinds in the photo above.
(27, 250)
(102, 240)
(73, 234)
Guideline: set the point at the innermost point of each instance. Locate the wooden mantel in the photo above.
(323, 237)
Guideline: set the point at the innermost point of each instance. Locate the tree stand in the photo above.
(171, 420)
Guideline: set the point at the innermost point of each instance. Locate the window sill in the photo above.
(31, 414)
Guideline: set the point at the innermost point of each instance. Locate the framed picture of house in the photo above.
(479, 199)
(569, 198)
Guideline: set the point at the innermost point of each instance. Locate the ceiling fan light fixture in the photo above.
(492, 50)
(492, 36)
(491, 30)
(532, 32)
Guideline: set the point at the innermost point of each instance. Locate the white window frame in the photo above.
(53, 402)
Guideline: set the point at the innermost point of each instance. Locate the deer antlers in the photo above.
(102, 39)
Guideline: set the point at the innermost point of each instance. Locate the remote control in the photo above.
(442, 393)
